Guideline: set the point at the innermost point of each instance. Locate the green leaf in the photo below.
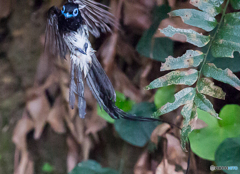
(137, 133)
(175, 78)
(121, 102)
(206, 86)
(228, 154)
(91, 167)
(47, 168)
(228, 38)
(183, 97)
(156, 48)
(225, 62)
(226, 76)
(212, 7)
(235, 4)
(184, 136)
(164, 95)
(192, 36)
(189, 113)
(204, 104)
(190, 59)
(204, 142)
(196, 18)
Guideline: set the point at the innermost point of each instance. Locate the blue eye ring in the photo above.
(63, 9)
(75, 12)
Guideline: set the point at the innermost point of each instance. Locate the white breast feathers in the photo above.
(80, 48)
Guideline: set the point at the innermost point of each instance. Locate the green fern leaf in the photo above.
(235, 4)
(226, 76)
(206, 86)
(212, 7)
(196, 18)
(183, 97)
(192, 36)
(228, 38)
(190, 59)
(204, 104)
(175, 78)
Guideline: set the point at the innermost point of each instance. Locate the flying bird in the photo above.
(68, 30)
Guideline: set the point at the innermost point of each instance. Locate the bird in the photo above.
(68, 30)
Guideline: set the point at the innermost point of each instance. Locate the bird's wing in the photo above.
(95, 16)
(54, 42)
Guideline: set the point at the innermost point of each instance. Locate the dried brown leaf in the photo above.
(159, 131)
(39, 110)
(72, 156)
(141, 166)
(175, 154)
(165, 168)
(56, 116)
(5, 8)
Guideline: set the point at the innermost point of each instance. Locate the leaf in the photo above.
(121, 102)
(204, 104)
(206, 86)
(235, 4)
(216, 131)
(47, 168)
(226, 76)
(137, 133)
(224, 62)
(228, 154)
(156, 48)
(92, 167)
(212, 7)
(192, 36)
(183, 97)
(196, 18)
(190, 59)
(189, 112)
(164, 95)
(228, 38)
(175, 77)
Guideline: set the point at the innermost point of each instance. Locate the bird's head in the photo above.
(70, 10)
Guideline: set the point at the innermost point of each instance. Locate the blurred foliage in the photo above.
(164, 95)
(156, 48)
(216, 131)
(137, 133)
(122, 102)
(91, 167)
(228, 154)
(47, 168)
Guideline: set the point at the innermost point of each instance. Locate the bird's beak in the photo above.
(81, 51)
(67, 15)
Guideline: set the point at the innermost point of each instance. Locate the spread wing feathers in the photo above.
(95, 16)
(54, 42)
(77, 89)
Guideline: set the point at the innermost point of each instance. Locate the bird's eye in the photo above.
(63, 9)
(75, 12)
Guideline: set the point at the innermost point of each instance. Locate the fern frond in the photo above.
(225, 40)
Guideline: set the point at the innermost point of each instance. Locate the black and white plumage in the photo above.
(68, 30)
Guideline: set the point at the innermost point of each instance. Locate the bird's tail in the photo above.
(104, 93)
